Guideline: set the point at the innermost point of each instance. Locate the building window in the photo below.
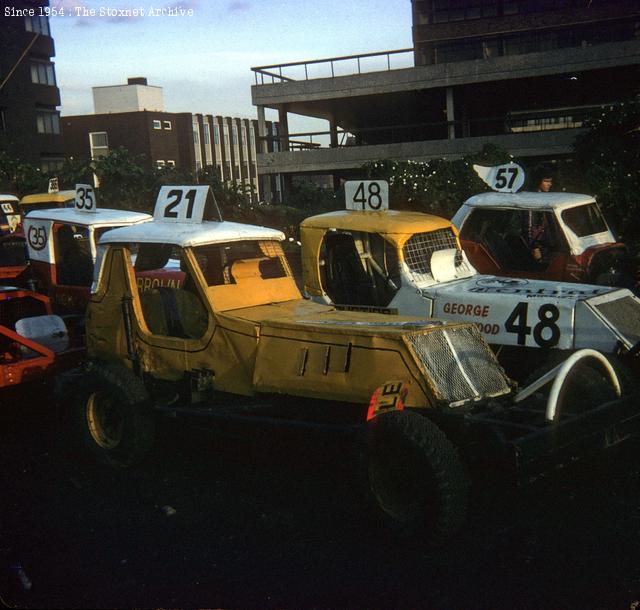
(216, 135)
(236, 173)
(48, 121)
(99, 144)
(252, 137)
(243, 135)
(42, 73)
(234, 134)
(454, 10)
(157, 124)
(160, 163)
(51, 165)
(166, 124)
(219, 170)
(38, 25)
(171, 163)
(206, 140)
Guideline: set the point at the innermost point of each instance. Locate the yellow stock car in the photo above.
(235, 339)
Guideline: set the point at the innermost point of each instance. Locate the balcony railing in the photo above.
(562, 118)
(331, 67)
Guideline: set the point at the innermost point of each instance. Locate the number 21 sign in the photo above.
(181, 204)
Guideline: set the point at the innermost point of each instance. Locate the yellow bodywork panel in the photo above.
(290, 346)
(395, 226)
(56, 199)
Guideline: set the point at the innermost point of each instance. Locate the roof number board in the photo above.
(181, 204)
(85, 198)
(506, 178)
(367, 195)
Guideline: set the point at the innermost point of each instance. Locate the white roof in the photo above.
(4, 197)
(189, 234)
(101, 217)
(528, 200)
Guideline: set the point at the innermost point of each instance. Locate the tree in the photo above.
(607, 163)
(437, 186)
(124, 181)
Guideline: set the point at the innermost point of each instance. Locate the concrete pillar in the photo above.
(284, 127)
(333, 133)
(262, 131)
(451, 132)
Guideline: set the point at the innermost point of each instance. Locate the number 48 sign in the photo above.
(367, 195)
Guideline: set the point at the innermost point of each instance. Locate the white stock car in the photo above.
(412, 263)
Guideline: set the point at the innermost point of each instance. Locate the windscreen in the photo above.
(585, 220)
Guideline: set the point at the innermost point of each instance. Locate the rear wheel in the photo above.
(415, 479)
(113, 416)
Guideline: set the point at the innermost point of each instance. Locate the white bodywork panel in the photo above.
(38, 225)
(190, 235)
(520, 312)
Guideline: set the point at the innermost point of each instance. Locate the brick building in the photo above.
(29, 96)
(133, 116)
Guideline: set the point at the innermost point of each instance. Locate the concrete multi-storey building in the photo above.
(517, 73)
(29, 96)
(133, 116)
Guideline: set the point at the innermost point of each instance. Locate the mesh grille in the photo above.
(460, 364)
(273, 249)
(624, 315)
(419, 248)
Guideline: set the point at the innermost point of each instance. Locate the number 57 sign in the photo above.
(507, 178)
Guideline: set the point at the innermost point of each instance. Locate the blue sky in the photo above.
(203, 62)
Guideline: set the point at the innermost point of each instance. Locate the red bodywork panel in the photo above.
(74, 299)
(562, 267)
(15, 367)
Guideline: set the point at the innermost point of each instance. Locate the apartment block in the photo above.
(29, 96)
(521, 74)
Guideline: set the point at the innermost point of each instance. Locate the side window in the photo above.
(229, 263)
(74, 265)
(518, 240)
(13, 252)
(169, 297)
(359, 268)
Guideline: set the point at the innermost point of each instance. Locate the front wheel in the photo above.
(414, 476)
(113, 416)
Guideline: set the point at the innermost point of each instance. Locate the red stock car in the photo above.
(550, 236)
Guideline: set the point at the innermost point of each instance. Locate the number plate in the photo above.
(367, 195)
(181, 204)
(85, 198)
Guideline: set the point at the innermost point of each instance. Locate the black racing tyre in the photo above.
(414, 478)
(112, 415)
